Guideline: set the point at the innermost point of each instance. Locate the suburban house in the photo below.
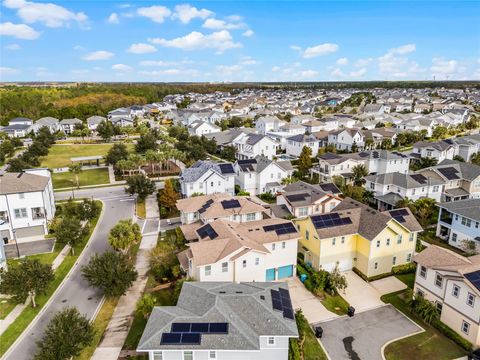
(200, 128)
(459, 221)
(303, 199)
(222, 320)
(466, 146)
(392, 187)
(286, 131)
(462, 180)
(18, 127)
(122, 121)
(207, 177)
(261, 175)
(206, 208)
(452, 282)
(418, 124)
(374, 109)
(344, 139)
(26, 205)
(265, 124)
(312, 126)
(49, 122)
(356, 236)
(69, 125)
(120, 113)
(440, 150)
(296, 143)
(93, 121)
(249, 146)
(262, 250)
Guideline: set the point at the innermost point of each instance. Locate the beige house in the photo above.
(452, 282)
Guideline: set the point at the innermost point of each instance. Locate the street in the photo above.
(75, 291)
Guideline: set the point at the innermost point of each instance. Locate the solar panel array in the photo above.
(191, 333)
(329, 220)
(207, 231)
(281, 302)
(399, 214)
(329, 187)
(181, 339)
(450, 173)
(474, 278)
(230, 204)
(281, 229)
(205, 206)
(226, 168)
(419, 178)
(297, 197)
(375, 154)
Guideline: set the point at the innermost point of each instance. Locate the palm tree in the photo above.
(76, 169)
(405, 202)
(369, 143)
(358, 174)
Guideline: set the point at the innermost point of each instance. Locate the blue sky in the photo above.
(239, 40)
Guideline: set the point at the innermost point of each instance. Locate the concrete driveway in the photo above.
(388, 285)
(360, 294)
(311, 306)
(363, 336)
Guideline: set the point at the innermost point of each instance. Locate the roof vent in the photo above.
(262, 297)
(238, 292)
(222, 292)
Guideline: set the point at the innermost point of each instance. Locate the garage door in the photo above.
(30, 231)
(285, 271)
(270, 275)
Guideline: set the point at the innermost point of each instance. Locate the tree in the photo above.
(145, 305)
(475, 159)
(140, 185)
(427, 310)
(305, 160)
(358, 174)
(69, 231)
(337, 280)
(354, 147)
(439, 132)
(106, 130)
(458, 158)
(116, 153)
(424, 209)
(228, 153)
(469, 247)
(423, 163)
(27, 279)
(75, 169)
(405, 202)
(386, 144)
(124, 235)
(168, 195)
(369, 143)
(146, 142)
(17, 165)
(111, 272)
(66, 335)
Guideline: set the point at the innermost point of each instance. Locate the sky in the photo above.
(215, 41)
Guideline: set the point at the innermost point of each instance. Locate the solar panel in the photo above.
(191, 339)
(180, 327)
(199, 327)
(419, 178)
(207, 231)
(474, 278)
(275, 295)
(297, 197)
(205, 206)
(218, 328)
(329, 187)
(226, 168)
(247, 161)
(268, 228)
(450, 173)
(288, 313)
(230, 204)
(399, 212)
(281, 302)
(171, 338)
(277, 305)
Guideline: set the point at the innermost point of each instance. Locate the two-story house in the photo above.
(262, 250)
(452, 282)
(330, 165)
(207, 177)
(26, 204)
(265, 124)
(344, 139)
(354, 235)
(69, 125)
(440, 150)
(249, 146)
(295, 144)
(18, 127)
(222, 320)
(49, 122)
(459, 221)
(200, 128)
(94, 121)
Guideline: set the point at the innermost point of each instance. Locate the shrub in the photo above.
(452, 335)
(404, 269)
(294, 352)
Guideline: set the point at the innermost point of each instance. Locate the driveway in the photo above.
(311, 306)
(363, 336)
(29, 248)
(388, 285)
(360, 294)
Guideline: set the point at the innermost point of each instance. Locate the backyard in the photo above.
(85, 178)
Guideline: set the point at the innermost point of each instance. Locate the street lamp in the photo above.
(16, 243)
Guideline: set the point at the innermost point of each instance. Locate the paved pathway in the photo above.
(360, 294)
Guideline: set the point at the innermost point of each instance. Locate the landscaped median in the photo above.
(306, 347)
(29, 313)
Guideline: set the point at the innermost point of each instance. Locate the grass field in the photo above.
(140, 209)
(86, 177)
(59, 155)
(5, 307)
(332, 303)
(310, 348)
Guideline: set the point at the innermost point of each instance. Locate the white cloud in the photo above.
(358, 73)
(363, 62)
(441, 66)
(216, 24)
(155, 13)
(248, 33)
(155, 63)
(169, 72)
(13, 47)
(121, 67)
(337, 73)
(276, 69)
(185, 13)
(51, 15)
(404, 49)
(318, 50)
(342, 61)
(8, 71)
(220, 41)
(98, 55)
(20, 31)
(141, 48)
(113, 18)
(248, 60)
(396, 64)
(308, 74)
(78, 48)
(228, 70)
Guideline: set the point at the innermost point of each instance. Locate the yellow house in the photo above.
(355, 235)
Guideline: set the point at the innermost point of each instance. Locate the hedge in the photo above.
(452, 335)
(404, 269)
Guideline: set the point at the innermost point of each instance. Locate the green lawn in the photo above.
(140, 209)
(332, 303)
(86, 177)
(430, 344)
(311, 348)
(6, 306)
(59, 155)
(430, 237)
(29, 313)
(407, 279)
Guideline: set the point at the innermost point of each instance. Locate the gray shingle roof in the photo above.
(249, 316)
(468, 208)
(199, 168)
(303, 138)
(12, 183)
(406, 181)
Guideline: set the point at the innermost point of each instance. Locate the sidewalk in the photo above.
(17, 310)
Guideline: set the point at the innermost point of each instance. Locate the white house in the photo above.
(439, 150)
(296, 143)
(223, 320)
(285, 132)
(26, 204)
(249, 146)
(263, 250)
(69, 125)
(200, 128)
(260, 175)
(51, 123)
(18, 127)
(452, 282)
(93, 121)
(122, 121)
(120, 113)
(265, 124)
(344, 139)
(206, 177)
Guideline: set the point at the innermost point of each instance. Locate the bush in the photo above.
(404, 269)
(452, 335)
(294, 352)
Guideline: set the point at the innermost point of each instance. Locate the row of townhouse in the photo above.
(447, 149)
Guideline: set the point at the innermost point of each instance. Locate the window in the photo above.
(468, 223)
(303, 211)
(435, 188)
(208, 270)
(409, 257)
(419, 292)
(225, 267)
(399, 239)
(378, 243)
(257, 261)
(376, 265)
(438, 280)
(211, 184)
(455, 290)
(470, 299)
(343, 239)
(333, 241)
(212, 355)
(394, 260)
(465, 327)
(388, 242)
(372, 186)
(21, 196)
(271, 340)
(244, 263)
(307, 235)
(20, 213)
(283, 244)
(273, 247)
(456, 217)
(157, 355)
(439, 306)
(191, 186)
(251, 217)
(454, 237)
(464, 220)
(423, 272)
(411, 236)
(413, 191)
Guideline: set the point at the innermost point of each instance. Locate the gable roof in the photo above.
(301, 193)
(199, 168)
(12, 183)
(468, 208)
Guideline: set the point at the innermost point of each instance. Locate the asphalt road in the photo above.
(75, 291)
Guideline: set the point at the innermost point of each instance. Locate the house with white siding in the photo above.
(249, 146)
(296, 143)
(344, 139)
(200, 128)
(207, 177)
